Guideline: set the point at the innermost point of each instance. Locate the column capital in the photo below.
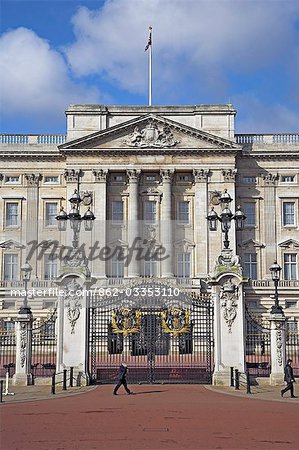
(200, 175)
(72, 175)
(166, 175)
(269, 178)
(33, 178)
(229, 174)
(133, 175)
(100, 175)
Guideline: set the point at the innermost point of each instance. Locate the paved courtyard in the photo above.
(157, 417)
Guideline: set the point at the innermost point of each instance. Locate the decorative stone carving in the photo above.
(269, 178)
(133, 175)
(151, 136)
(278, 327)
(150, 233)
(214, 198)
(228, 297)
(228, 259)
(100, 175)
(72, 175)
(23, 343)
(86, 197)
(33, 179)
(73, 303)
(229, 174)
(166, 175)
(200, 175)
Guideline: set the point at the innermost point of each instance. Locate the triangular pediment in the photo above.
(252, 243)
(11, 244)
(149, 133)
(289, 243)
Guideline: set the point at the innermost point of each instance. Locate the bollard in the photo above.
(64, 380)
(53, 384)
(231, 377)
(248, 383)
(237, 381)
(71, 376)
(1, 391)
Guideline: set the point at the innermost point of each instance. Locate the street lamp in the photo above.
(226, 217)
(275, 270)
(26, 270)
(74, 215)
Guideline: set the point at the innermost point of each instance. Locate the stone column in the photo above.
(133, 224)
(229, 329)
(23, 330)
(278, 348)
(201, 234)
(99, 232)
(32, 221)
(269, 224)
(166, 223)
(72, 328)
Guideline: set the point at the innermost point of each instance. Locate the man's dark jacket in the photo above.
(288, 374)
(122, 373)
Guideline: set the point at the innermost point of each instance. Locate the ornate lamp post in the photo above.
(26, 270)
(275, 270)
(226, 218)
(74, 216)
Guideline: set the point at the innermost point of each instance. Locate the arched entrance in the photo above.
(163, 333)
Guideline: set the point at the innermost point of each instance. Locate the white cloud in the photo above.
(35, 78)
(189, 36)
(258, 117)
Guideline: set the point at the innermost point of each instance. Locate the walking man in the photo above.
(122, 379)
(289, 378)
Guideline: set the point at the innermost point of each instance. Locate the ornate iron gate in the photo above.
(258, 346)
(164, 334)
(292, 345)
(44, 347)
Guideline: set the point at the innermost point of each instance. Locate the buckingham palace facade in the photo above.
(148, 176)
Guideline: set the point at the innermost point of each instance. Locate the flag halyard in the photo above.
(149, 43)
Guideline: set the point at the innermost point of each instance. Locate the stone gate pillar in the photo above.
(229, 322)
(278, 348)
(72, 326)
(23, 330)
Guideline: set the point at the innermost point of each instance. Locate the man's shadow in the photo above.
(149, 392)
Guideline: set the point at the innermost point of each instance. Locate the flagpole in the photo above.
(150, 76)
(149, 48)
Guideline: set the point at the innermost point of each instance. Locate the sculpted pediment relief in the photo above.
(151, 134)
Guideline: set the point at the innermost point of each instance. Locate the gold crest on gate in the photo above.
(126, 321)
(176, 321)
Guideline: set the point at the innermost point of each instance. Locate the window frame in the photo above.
(288, 267)
(180, 213)
(251, 265)
(12, 202)
(114, 220)
(16, 265)
(288, 202)
(184, 263)
(48, 265)
(47, 224)
(153, 219)
(247, 224)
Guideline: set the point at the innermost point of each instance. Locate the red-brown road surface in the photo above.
(158, 417)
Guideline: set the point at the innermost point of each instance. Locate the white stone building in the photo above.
(152, 172)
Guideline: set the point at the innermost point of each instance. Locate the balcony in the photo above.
(270, 284)
(29, 139)
(291, 139)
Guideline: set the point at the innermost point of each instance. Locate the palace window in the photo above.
(51, 179)
(50, 267)
(290, 266)
(150, 210)
(9, 325)
(10, 267)
(184, 265)
(291, 304)
(12, 215)
(292, 327)
(117, 212)
(250, 265)
(183, 212)
(150, 177)
(288, 179)
(117, 266)
(51, 213)
(249, 180)
(150, 267)
(288, 212)
(12, 179)
(249, 211)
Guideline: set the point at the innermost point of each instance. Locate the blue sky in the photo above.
(54, 53)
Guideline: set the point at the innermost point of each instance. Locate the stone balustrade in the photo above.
(282, 138)
(27, 139)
